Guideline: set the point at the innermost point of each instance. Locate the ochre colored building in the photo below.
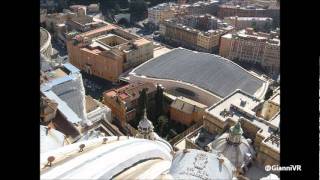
(108, 51)
(186, 111)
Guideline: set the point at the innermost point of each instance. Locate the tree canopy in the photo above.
(159, 101)
(142, 101)
(163, 125)
(138, 9)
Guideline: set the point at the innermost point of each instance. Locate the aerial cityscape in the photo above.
(159, 89)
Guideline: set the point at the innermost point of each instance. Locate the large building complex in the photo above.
(201, 33)
(202, 77)
(254, 47)
(108, 51)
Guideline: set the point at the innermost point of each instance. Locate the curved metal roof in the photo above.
(208, 71)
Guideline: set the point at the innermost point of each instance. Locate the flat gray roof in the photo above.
(207, 71)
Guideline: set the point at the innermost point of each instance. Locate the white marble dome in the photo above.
(127, 157)
(50, 139)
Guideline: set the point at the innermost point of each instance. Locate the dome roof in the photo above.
(131, 158)
(50, 139)
(145, 124)
(107, 159)
(196, 164)
(239, 154)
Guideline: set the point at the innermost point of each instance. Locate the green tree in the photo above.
(106, 6)
(51, 29)
(123, 3)
(159, 101)
(254, 25)
(142, 101)
(267, 26)
(138, 9)
(163, 126)
(117, 8)
(269, 93)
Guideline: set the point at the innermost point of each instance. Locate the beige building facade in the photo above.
(195, 32)
(271, 107)
(161, 12)
(186, 111)
(247, 45)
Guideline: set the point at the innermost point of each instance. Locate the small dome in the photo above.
(145, 128)
(235, 147)
(145, 125)
(196, 164)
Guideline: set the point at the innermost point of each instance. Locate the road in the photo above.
(148, 35)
